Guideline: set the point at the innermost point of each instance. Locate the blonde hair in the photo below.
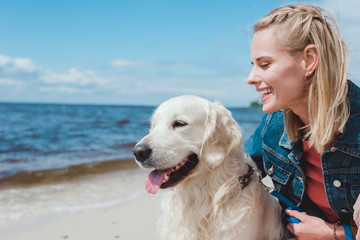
(327, 100)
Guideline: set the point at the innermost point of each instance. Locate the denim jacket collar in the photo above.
(285, 142)
(348, 145)
(295, 148)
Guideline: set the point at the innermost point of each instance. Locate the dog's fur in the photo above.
(209, 203)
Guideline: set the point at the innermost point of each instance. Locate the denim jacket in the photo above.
(276, 156)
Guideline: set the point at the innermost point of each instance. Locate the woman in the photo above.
(309, 140)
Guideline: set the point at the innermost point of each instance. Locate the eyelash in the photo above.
(264, 65)
(178, 123)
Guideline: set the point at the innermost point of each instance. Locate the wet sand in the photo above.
(109, 204)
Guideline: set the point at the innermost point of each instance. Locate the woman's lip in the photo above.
(263, 88)
(264, 98)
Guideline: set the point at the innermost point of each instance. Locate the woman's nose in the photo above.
(252, 78)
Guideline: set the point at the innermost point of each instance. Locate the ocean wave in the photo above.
(51, 176)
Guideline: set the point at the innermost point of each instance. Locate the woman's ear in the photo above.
(311, 59)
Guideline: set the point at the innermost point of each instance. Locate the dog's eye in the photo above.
(178, 123)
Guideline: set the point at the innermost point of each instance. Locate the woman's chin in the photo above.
(267, 108)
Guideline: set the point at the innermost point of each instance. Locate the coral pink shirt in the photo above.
(315, 182)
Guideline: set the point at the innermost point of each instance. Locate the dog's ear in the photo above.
(222, 135)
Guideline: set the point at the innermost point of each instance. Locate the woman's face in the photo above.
(278, 76)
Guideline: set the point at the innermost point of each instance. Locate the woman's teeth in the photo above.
(266, 91)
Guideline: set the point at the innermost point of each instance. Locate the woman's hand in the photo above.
(313, 228)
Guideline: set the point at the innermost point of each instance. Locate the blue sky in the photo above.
(139, 52)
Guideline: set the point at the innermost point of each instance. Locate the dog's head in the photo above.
(184, 131)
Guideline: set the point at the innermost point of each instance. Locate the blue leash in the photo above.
(288, 203)
(348, 232)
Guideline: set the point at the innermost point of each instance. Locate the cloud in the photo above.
(213, 87)
(22, 75)
(347, 10)
(73, 76)
(122, 65)
(15, 71)
(143, 82)
(64, 89)
(346, 13)
(16, 65)
(10, 82)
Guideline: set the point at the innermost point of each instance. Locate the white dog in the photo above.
(195, 147)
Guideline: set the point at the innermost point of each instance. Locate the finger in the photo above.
(296, 214)
(294, 228)
(291, 227)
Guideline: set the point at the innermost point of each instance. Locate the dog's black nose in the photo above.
(142, 152)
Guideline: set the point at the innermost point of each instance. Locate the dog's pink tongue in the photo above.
(154, 180)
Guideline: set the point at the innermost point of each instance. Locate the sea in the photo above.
(46, 148)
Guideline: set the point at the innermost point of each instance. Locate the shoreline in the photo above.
(73, 172)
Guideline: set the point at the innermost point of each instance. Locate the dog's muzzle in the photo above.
(159, 177)
(142, 152)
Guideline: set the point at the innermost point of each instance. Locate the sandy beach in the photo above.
(134, 219)
(129, 215)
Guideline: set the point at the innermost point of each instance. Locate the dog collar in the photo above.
(245, 179)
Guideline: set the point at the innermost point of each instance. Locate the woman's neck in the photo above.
(301, 110)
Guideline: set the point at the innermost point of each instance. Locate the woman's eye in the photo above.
(178, 123)
(264, 65)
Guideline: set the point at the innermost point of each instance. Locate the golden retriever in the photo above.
(195, 148)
